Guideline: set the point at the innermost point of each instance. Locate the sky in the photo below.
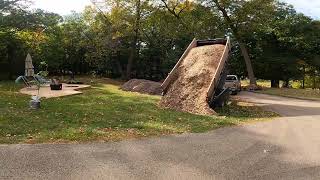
(63, 7)
(308, 7)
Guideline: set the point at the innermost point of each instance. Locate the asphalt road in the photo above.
(286, 148)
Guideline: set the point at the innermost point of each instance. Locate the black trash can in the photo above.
(56, 87)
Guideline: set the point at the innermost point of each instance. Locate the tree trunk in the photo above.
(247, 59)
(134, 49)
(10, 53)
(129, 65)
(314, 80)
(286, 83)
(123, 75)
(275, 83)
(304, 77)
(244, 50)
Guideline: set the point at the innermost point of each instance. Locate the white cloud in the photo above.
(62, 7)
(308, 7)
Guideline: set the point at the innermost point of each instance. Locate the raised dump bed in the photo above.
(195, 85)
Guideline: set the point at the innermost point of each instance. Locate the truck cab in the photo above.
(233, 83)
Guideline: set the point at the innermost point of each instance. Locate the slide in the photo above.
(196, 82)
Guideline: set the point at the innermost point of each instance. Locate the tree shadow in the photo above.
(227, 153)
(246, 152)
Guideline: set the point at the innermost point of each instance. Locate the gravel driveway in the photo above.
(286, 148)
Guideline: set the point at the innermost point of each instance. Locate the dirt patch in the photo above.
(188, 92)
(142, 86)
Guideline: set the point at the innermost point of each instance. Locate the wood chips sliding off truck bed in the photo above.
(188, 89)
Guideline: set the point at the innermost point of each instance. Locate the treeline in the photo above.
(144, 38)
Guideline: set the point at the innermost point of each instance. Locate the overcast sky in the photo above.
(64, 7)
(308, 7)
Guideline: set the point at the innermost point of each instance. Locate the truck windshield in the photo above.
(231, 78)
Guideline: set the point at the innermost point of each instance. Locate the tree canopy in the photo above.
(145, 38)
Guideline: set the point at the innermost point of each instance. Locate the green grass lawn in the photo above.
(293, 93)
(286, 92)
(105, 113)
(267, 83)
(260, 82)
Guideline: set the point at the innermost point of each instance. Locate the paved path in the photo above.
(286, 148)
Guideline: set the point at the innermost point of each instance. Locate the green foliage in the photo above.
(144, 39)
(278, 48)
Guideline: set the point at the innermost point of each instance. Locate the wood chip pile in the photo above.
(188, 92)
(142, 86)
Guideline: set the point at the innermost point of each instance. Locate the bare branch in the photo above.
(172, 11)
(181, 10)
(101, 12)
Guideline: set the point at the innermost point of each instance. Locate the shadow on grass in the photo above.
(104, 112)
(239, 109)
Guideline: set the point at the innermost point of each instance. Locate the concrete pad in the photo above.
(46, 92)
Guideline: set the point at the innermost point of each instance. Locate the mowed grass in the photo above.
(308, 94)
(260, 82)
(104, 113)
(293, 93)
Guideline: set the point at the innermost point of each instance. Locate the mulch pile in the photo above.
(143, 86)
(188, 92)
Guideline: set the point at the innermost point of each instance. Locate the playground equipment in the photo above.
(212, 83)
(30, 78)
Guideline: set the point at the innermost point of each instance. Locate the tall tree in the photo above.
(125, 18)
(242, 16)
(135, 46)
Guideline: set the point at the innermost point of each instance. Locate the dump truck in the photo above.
(196, 83)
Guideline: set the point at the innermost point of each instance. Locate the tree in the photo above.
(135, 47)
(288, 38)
(144, 39)
(296, 37)
(10, 45)
(125, 20)
(243, 16)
